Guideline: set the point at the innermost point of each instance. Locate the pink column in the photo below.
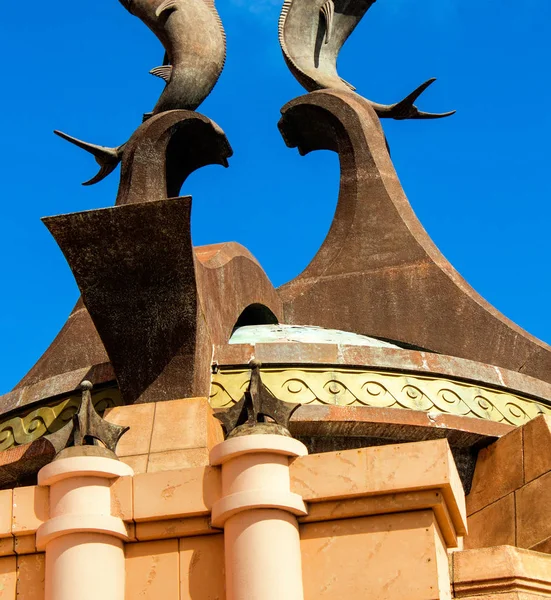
(83, 542)
(258, 513)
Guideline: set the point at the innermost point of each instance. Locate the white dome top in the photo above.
(265, 334)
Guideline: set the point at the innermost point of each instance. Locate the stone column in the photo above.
(83, 542)
(257, 510)
(258, 513)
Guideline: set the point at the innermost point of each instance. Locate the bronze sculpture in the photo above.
(311, 34)
(195, 43)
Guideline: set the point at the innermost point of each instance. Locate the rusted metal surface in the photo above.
(377, 272)
(164, 151)
(311, 35)
(65, 363)
(134, 267)
(157, 160)
(157, 309)
(19, 465)
(258, 412)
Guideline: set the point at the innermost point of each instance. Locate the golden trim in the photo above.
(348, 387)
(23, 429)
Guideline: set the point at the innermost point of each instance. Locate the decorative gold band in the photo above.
(24, 429)
(350, 387)
(340, 387)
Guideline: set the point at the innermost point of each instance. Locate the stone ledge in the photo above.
(336, 486)
(382, 470)
(386, 504)
(501, 569)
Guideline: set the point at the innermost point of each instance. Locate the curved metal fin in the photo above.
(166, 5)
(406, 109)
(328, 12)
(107, 158)
(164, 72)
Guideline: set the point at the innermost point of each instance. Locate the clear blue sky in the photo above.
(479, 181)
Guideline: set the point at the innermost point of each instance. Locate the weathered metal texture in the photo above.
(157, 160)
(195, 43)
(157, 309)
(19, 465)
(311, 35)
(302, 334)
(65, 363)
(134, 267)
(377, 272)
(164, 151)
(333, 386)
(258, 411)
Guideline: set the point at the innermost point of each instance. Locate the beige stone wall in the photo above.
(385, 557)
(167, 435)
(176, 569)
(22, 577)
(511, 493)
(382, 522)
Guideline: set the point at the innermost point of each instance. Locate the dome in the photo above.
(305, 334)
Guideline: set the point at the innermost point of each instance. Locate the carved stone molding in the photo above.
(23, 429)
(350, 387)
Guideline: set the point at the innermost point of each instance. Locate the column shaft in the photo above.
(83, 542)
(263, 556)
(87, 566)
(259, 512)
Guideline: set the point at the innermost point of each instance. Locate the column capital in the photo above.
(256, 444)
(82, 466)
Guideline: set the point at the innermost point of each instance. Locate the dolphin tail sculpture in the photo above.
(311, 35)
(107, 158)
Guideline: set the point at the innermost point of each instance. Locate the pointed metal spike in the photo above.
(61, 438)
(410, 98)
(88, 424)
(230, 418)
(104, 171)
(98, 151)
(427, 115)
(257, 404)
(107, 158)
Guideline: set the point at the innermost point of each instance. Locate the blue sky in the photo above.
(479, 181)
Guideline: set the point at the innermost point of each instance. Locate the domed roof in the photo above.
(255, 334)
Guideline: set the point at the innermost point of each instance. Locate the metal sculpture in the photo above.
(87, 427)
(158, 304)
(311, 35)
(195, 43)
(259, 411)
(378, 273)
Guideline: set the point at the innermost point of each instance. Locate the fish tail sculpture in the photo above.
(107, 158)
(193, 36)
(311, 35)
